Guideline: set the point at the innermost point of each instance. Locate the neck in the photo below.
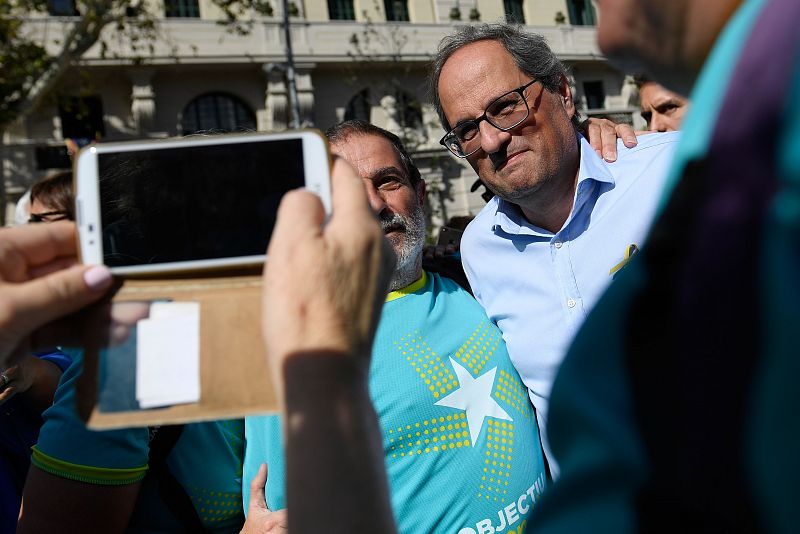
(405, 275)
(549, 209)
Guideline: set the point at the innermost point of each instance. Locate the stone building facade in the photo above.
(353, 58)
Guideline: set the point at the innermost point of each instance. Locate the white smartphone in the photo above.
(196, 203)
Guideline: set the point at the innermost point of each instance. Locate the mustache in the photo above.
(498, 159)
(392, 220)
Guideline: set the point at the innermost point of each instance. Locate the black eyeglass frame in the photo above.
(42, 217)
(520, 90)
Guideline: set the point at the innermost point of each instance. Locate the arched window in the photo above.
(217, 111)
(359, 106)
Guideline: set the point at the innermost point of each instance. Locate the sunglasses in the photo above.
(47, 216)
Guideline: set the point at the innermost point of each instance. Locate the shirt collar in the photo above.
(592, 168)
(411, 288)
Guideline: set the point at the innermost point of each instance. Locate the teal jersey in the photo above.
(206, 461)
(461, 442)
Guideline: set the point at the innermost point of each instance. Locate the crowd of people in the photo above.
(625, 363)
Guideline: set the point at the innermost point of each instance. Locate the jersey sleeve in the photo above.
(68, 449)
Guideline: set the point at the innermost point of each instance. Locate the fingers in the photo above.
(29, 308)
(626, 133)
(593, 135)
(7, 393)
(28, 247)
(361, 258)
(31, 305)
(280, 519)
(50, 267)
(301, 212)
(603, 134)
(608, 140)
(323, 287)
(300, 217)
(8, 383)
(258, 500)
(348, 193)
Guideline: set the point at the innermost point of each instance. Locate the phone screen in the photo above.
(194, 202)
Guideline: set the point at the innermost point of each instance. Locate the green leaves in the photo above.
(32, 69)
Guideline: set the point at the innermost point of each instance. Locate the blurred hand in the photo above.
(40, 284)
(260, 519)
(602, 134)
(18, 378)
(324, 285)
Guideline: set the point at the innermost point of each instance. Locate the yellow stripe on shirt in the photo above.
(106, 476)
(408, 289)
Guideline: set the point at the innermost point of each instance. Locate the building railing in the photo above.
(197, 40)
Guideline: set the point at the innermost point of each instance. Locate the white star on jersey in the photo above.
(474, 396)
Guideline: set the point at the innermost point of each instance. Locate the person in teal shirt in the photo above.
(206, 461)
(461, 442)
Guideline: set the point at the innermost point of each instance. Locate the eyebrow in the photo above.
(670, 100)
(388, 171)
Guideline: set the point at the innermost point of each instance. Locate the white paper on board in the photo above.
(168, 355)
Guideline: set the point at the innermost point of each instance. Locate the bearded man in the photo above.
(461, 442)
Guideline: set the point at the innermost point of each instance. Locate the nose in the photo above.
(492, 139)
(658, 124)
(376, 201)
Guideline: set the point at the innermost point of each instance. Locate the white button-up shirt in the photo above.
(538, 286)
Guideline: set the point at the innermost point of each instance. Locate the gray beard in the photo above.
(409, 252)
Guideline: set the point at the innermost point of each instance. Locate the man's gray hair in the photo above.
(530, 52)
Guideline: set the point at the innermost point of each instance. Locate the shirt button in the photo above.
(558, 244)
(571, 303)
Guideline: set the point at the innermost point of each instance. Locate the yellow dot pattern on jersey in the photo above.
(214, 506)
(431, 436)
(233, 432)
(432, 370)
(513, 392)
(479, 348)
(497, 463)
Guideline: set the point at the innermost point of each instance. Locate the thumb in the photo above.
(258, 500)
(42, 300)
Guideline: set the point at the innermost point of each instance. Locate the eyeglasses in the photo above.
(504, 113)
(47, 216)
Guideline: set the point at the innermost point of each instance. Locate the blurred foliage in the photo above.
(20, 61)
(31, 70)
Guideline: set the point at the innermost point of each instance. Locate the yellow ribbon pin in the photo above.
(629, 252)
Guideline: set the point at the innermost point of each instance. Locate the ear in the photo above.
(565, 93)
(420, 189)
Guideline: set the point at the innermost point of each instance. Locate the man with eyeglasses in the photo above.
(563, 221)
